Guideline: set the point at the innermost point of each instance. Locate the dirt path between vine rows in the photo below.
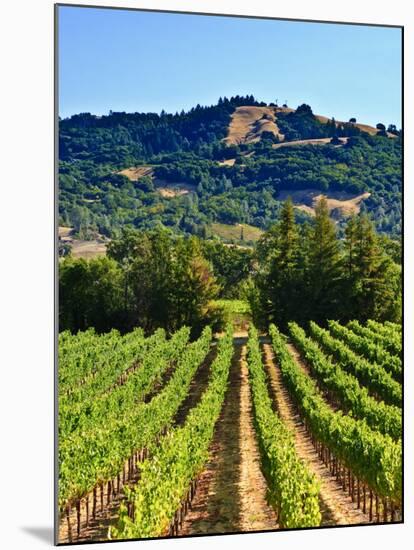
(197, 386)
(97, 530)
(336, 506)
(231, 492)
(333, 402)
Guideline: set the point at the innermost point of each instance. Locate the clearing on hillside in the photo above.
(319, 141)
(64, 232)
(340, 204)
(227, 162)
(169, 190)
(238, 232)
(166, 189)
(248, 123)
(134, 173)
(88, 249)
(81, 248)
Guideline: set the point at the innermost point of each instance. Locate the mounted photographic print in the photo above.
(229, 260)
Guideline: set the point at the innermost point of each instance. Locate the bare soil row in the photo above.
(231, 492)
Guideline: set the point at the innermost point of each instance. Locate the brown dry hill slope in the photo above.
(249, 122)
(134, 173)
(81, 248)
(227, 162)
(167, 190)
(64, 232)
(88, 249)
(340, 204)
(364, 127)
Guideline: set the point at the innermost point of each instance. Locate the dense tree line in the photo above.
(121, 138)
(302, 124)
(232, 266)
(307, 273)
(296, 272)
(148, 279)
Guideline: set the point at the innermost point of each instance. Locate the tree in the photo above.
(90, 294)
(269, 136)
(381, 129)
(352, 120)
(105, 304)
(350, 245)
(80, 219)
(324, 265)
(194, 287)
(231, 266)
(146, 184)
(73, 288)
(330, 128)
(373, 286)
(280, 278)
(392, 129)
(304, 109)
(169, 283)
(126, 246)
(150, 280)
(64, 249)
(391, 247)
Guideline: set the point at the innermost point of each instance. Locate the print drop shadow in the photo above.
(44, 534)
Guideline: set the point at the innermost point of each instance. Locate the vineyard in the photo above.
(162, 435)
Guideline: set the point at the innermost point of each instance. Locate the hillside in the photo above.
(248, 124)
(242, 233)
(91, 248)
(341, 205)
(231, 163)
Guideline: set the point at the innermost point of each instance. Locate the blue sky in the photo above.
(137, 61)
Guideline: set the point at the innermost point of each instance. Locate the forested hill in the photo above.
(230, 163)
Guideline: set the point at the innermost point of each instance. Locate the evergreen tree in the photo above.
(281, 283)
(373, 284)
(350, 245)
(324, 269)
